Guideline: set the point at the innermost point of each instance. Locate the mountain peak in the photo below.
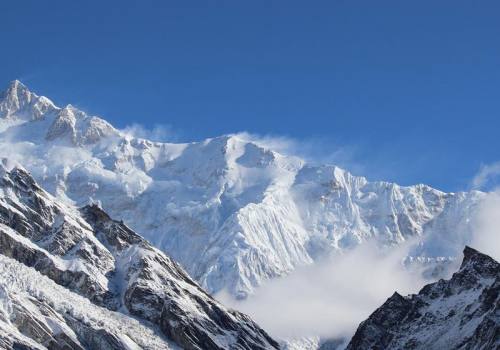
(13, 86)
(18, 100)
(470, 253)
(479, 262)
(15, 94)
(16, 84)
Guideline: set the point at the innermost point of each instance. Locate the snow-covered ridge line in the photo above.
(87, 252)
(233, 212)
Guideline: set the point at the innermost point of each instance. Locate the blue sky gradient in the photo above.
(408, 91)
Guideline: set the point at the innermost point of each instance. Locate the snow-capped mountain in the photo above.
(232, 211)
(54, 256)
(460, 313)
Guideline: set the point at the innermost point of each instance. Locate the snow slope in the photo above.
(232, 211)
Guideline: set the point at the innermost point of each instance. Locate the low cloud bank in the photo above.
(330, 298)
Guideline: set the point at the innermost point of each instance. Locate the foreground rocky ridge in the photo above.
(460, 313)
(88, 253)
(233, 211)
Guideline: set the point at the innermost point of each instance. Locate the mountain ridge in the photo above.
(87, 253)
(233, 212)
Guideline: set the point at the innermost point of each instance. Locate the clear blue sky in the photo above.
(411, 88)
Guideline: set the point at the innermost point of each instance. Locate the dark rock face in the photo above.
(460, 313)
(102, 259)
